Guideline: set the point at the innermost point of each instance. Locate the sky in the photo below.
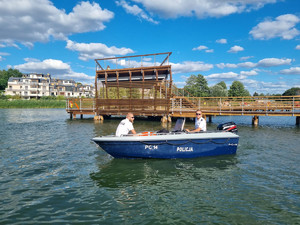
(256, 42)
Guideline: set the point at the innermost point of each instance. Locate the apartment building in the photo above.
(29, 86)
(39, 85)
(69, 88)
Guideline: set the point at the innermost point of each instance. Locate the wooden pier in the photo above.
(144, 87)
(186, 106)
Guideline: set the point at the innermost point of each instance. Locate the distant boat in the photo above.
(174, 144)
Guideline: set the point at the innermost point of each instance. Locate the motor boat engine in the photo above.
(228, 127)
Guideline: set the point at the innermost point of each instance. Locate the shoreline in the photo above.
(33, 103)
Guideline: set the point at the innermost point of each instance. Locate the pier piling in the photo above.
(255, 120)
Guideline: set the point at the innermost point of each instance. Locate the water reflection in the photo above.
(124, 172)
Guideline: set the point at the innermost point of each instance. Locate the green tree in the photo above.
(237, 89)
(197, 86)
(5, 75)
(218, 91)
(292, 91)
(222, 84)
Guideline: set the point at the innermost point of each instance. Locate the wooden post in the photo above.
(297, 120)
(71, 115)
(255, 120)
(209, 119)
(81, 116)
(98, 117)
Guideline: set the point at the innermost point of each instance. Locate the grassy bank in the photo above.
(19, 103)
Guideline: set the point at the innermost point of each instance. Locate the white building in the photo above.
(29, 86)
(39, 85)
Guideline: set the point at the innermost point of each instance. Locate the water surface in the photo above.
(51, 172)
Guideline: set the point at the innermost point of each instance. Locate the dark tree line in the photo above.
(5, 75)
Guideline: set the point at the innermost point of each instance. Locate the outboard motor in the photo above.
(228, 127)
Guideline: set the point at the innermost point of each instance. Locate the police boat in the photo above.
(177, 143)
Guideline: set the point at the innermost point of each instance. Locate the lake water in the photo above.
(51, 172)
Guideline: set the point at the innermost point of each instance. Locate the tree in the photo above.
(218, 91)
(5, 75)
(223, 84)
(237, 89)
(292, 91)
(197, 86)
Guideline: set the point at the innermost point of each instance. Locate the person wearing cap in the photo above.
(126, 126)
(200, 123)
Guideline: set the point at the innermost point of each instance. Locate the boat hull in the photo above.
(170, 146)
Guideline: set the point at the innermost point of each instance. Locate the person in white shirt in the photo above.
(126, 126)
(200, 123)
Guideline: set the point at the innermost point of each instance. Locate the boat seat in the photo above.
(179, 125)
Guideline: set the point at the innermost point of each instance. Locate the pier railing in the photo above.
(252, 105)
(181, 106)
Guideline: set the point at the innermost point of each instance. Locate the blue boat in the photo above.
(174, 144)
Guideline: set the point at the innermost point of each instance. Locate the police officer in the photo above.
(126, 126)
(200, 123)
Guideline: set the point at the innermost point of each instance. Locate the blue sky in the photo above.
(256, 42)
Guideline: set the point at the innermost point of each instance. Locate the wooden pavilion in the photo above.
(140, 84)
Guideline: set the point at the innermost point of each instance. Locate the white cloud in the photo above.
(56, 68)
(222, 41)
(135, 10)
(226, 76)
(249, 73)
(199, 48)
(4, 53)
(269, 62)
(96, 50)
(298, 47)
(231, 75)
(291, 71)
(189, 66)
(247, 64)
(283, 26)
(29, 21)
(203, 47)
(226, 65)
(236, 49)
(272, 85)
(200, 8)
(52, 66)
(1, 58)
(246, 58)
(265, 87)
